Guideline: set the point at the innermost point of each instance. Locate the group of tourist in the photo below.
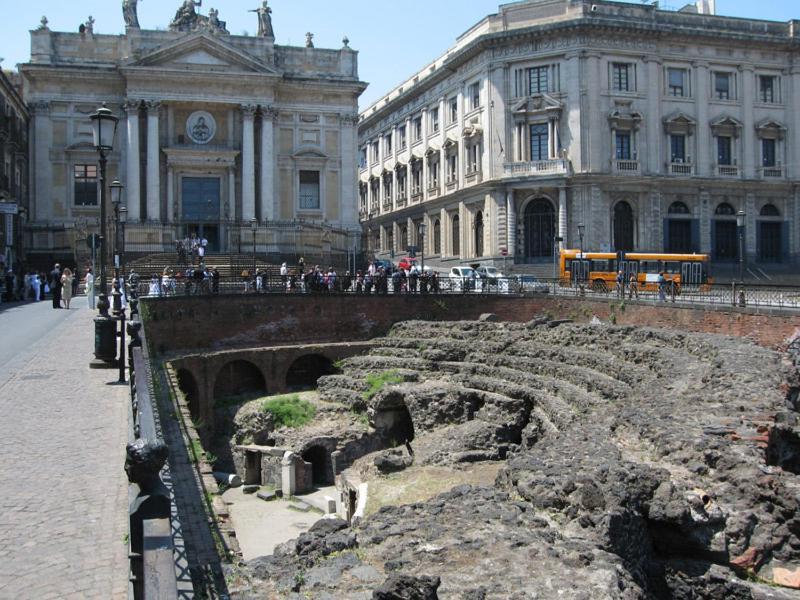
(631, 285)
(191, 246)
(194, 280)
(60, 285)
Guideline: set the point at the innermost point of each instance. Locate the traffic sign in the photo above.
(93, 241)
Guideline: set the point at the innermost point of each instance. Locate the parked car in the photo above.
(490, 274)
(386, 264)
(529, 283)
(462, 279)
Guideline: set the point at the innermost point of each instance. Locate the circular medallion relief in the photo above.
(201, 127)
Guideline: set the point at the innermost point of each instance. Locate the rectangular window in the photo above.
(362, 158)
(416, 179)
(677, 82)
(434, 120)
(768, 155)
(623, 145)
(539, 142)
(85, 185)
(677, 148)
(621, 77)
(387, 144)
(724, 150)
(417, 125)
(538, 80)
(453, 110)
(767, 88)
(387, 190)
(401, 183)
(401, 137)
(452, 168)
(472, 158)
(309, 190)
(722, 86)
(433, 174)
(374, 151)
(475, 96)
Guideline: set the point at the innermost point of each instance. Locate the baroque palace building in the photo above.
(651, 128)
(13, 169)
(216, 131)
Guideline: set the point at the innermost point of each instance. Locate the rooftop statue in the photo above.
(187, 19)
(264, 20)
(129, 13)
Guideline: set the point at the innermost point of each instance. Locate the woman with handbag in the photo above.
(66, 287)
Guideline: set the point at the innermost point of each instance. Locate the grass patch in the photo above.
(290, 411)
(377, 381)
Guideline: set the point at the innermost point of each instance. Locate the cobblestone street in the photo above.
(63, 500)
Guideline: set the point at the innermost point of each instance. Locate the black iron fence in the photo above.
(785, 297)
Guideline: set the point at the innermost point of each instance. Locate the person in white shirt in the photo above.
(89, 288)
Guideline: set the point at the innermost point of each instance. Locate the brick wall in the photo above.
(178, 325)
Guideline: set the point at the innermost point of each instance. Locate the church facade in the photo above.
(232, 138)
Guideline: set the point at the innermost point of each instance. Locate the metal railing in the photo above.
(738, 295)
(151, 552)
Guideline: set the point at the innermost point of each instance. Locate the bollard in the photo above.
(742, 300)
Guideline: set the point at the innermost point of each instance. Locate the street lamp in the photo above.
(123, 218)
(116, 199)
(740, 216)
(104, 128)
(422, 244)
(254, 228)
(581, 231)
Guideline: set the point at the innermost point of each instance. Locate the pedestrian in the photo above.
(89, 279)
(66, 287)
(662, 287)
(214, 280)
(621, 284)
(284, 274)
(36, 285)
(301, 265)
(55, 285)
(633, 287)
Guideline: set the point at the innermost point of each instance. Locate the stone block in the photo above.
(267, 495)
(299, 506)
(250, 489)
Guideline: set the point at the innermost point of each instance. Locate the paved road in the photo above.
(63, 429)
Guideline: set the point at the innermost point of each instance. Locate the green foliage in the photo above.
(338, 364)
(377, 381)
(290, 411)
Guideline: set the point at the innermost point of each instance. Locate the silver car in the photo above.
(529, 283)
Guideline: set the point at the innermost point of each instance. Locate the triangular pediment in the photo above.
(538, 103)
(201, 52)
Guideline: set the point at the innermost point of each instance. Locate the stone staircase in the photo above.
(230, 266)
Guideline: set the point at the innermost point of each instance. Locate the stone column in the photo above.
(267, 164)
(705, 221)
(511, 223)
(171, 213)
(749, 143)
(562, 216)
(597, 156)
(793, 159)
(572, 114)
(153, 155)
(232, 193)
(444, 235)
(750, 237)
(133, 179)
(705, 149)
(651, 162)
(349, 174)
(248, 164)
(41, 169)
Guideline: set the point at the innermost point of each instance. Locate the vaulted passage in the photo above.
(321, 468)
(188, 386)
(306, 370)
(239, 378)
(393, 422)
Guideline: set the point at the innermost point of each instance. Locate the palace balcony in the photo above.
(538, 168)
(626, 167)
(728, 171)
(681, 168)
(772, 172)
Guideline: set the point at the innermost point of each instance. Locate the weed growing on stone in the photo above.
(377, 381)
(290, 411)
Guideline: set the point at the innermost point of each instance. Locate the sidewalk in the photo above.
(63, 500)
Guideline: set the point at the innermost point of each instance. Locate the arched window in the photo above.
(623, 227)
(678, 208)
(479, 234)
(403, 238)
(456, 236)
(539, 226)
(437, 237)
(770, 210)
(725, 210)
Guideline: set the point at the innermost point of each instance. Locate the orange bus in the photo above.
(598, 270)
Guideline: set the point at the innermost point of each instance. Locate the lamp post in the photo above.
(123, 218)
(422, 229)
(254, 229)
(740, 216)
(104, 128)
(116, 199)
(581, 231)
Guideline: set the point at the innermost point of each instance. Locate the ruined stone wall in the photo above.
(176, 325)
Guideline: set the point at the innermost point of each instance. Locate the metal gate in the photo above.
(691, 274)
(579, 270)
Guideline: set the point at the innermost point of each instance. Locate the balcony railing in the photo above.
(681, 168)
(452, 185)
(401, 201)
(537, 168)
(433, 192)
(772, 171)
(473, 177)
(727, 171)
(626, 167)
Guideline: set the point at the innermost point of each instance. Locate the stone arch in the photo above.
(437, 237)
(624, 234)
(319, 457)
(770, 210)
(392, 420)
(239, 378)
(725, 235)
(305, 370)
(456, 241)
(678, 236)
(188, 385)
(539, 228)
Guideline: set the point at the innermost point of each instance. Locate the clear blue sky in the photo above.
(394, 38)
